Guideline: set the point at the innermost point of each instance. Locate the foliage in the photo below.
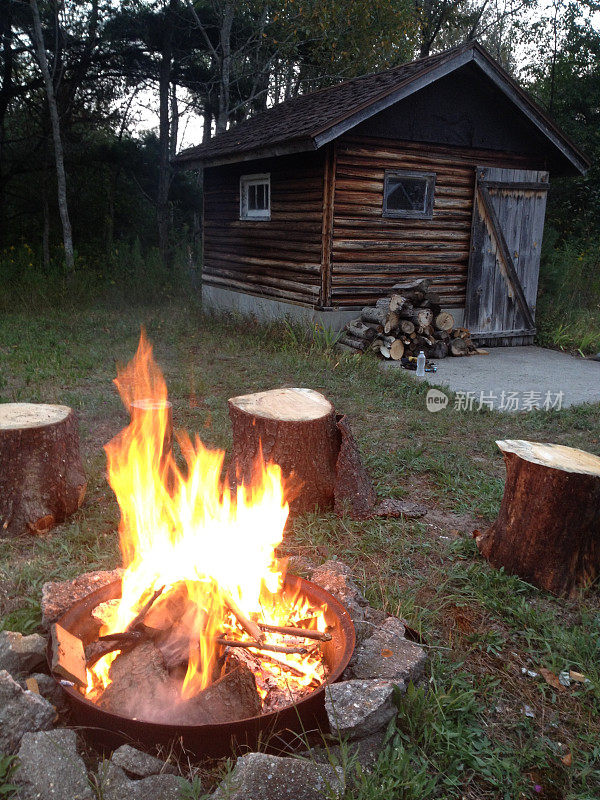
(569, 295)
(8, 765)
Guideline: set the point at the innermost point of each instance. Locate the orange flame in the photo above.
(185, 527)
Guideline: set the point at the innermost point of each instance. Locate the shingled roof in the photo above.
(309, 121)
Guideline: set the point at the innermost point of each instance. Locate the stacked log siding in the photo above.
(370, 253)
(279, 258)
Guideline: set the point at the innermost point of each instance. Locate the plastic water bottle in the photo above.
(421, 364)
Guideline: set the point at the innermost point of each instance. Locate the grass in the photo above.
(568, 314)
(464, 733)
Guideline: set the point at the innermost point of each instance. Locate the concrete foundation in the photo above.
(266, 309)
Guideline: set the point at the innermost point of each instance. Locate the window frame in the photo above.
(255, 179)
(397, 213)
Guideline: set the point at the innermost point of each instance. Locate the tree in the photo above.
(61, 179)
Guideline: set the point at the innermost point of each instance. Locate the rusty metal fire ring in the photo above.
(111, 729)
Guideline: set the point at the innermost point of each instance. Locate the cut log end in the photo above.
(285, 405)
(556, 456)
(22, 416)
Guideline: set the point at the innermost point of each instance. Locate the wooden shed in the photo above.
(438, 168)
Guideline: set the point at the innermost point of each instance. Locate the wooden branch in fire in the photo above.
(293, 630)
(251, 628)
(254, 645)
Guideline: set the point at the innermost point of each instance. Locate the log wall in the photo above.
(278, 258)
(370, 253)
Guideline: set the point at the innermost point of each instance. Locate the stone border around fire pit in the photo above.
(359, 709)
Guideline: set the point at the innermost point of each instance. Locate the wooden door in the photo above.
(506, 238)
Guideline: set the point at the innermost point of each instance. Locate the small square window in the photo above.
(408, 194)
(255, 197)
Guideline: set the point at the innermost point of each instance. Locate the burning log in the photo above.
(547, 528)
(234, 696)
(68, 656)
(294, 428)
(140, 682)
(42, 480)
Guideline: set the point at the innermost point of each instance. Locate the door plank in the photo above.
(503, 251)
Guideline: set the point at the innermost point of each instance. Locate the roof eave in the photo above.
(235, 157)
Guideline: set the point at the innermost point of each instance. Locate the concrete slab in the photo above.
(518, 379)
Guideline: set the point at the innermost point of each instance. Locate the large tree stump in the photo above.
(548, 529)
(41, 475)
(296, 429)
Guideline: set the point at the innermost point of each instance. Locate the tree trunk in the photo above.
(164, 168)
(46, 232)
(547, 531)
(6, 94)
(296, 429)
(225, 77)
(42, 480)
(38, 42)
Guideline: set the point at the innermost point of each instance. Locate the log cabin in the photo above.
(434, 169)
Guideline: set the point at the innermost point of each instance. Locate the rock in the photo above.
(139, 764)
(358, 708)
(50, 768)
(363, 751)
(51, 690)
(115, 785)
(20, 654)
(59, 597)
(335, 578)
(21, 711)
(388, 654)
(258, 776)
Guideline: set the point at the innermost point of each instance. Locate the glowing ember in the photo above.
(213, 550)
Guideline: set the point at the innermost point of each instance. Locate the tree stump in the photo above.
(41, 478)
(548, 529)
(297, 430)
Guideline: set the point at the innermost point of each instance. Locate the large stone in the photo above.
(115, 785)
(140, 764)
(258, 776)
(20, 711)
(59, 597)
(362, 751)
(51, 690)
(335, 578)
(20, 654)
(388, 654)
(359, 708)
(50, 768)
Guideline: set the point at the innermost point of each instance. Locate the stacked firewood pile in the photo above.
(408, 321)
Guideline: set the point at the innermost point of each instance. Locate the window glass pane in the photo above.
(252, 197)
(260, 196)
(406, 194)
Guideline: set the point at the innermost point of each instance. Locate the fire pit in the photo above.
(205, 639)
(214, 739)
